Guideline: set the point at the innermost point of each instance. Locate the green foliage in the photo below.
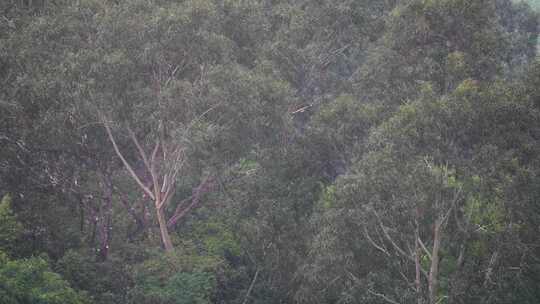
(175, 278)
(190, 288)
(488, 216)
(31, 281)
(106, 282)
(336, 134)
(10, 228)
(534, 4)
(217, 238)
(328, 197)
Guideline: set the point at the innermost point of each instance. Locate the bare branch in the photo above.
(203, 114)
(375, 244)
(404, 277)
(424, 248)
(195, 200)
(169, 179)
(387, 299)
(456, 198)
(182, 212)
(171, 183)
(141, 150)
(165, 182)
(164, 201)
(164, 150)
(154, 153)
(358, 281)
(173, 73)
(251, 286)
(489, 270)
(155, 180)
(181, 205)
(389, 238)
(124, 161)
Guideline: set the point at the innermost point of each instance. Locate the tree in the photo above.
(96, 86)
(289, 151)
(429, 193)
(443, 43)
(32, 281)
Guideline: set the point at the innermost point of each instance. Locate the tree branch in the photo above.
(358, 281)
(375, 244)
(389, 238)
(195, 199)
(387, 299)
(424, 248)
(153, 169)
(452, 205)
(251, 286)
(154, 153)
(139, 147)
(124, 161)
(399, 250)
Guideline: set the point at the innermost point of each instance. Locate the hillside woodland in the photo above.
(269, 151)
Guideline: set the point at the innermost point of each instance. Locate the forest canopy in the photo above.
(269, 151)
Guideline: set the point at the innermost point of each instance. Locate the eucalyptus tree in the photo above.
(443, 43)
(38, 126)
(145, 83)
(433, 199)
(403, 224)
(164, 75)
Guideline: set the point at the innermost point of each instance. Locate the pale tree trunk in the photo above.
(424, 295)
(165, 237)
(159, 193)
(418, 253)
(163, 166)
(417, 281)
(160, 200)
(163, 171)
(440, 223)
(94, 218)
(433, 280)
(458, 285)
(105, 217)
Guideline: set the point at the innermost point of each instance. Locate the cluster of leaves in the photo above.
(32, 281)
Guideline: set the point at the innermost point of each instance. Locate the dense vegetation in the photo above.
(269, 151)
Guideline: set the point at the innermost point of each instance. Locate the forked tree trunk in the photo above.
(163, 170)
(440, 222)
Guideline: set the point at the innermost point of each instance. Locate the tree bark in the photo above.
(165, 237)
(418, 252)
(105, 217)
(433, 281)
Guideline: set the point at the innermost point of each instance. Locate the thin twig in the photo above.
(251, 286)
(424, 248)
(382, 296)
(375, 244)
